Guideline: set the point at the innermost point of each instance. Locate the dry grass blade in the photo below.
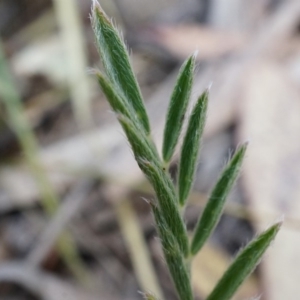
(137, 247)
(20, 125)
(75, 54)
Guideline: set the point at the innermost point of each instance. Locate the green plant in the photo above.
(123, 93)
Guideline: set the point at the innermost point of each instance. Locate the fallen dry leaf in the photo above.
(271, 173)
(47, 286)
(182, 40)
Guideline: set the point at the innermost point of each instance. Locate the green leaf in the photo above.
(149, 162)
(141, 145)
(167, 201)
(173, 256)
(177, 108)
(213, 209)
(190, 147)
(116, 63)
(116, 101)
(243, 265)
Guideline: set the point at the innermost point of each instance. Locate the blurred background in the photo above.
(73, 220)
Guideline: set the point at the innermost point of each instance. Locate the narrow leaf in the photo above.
(173, 256)
(190, 147)
(116, 101)
(243, 265)
(117, 64)
(177, 108)
(141, 145)
(149, 163)
(167, 201)
(214, 207)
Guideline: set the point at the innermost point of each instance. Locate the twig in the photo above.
(72, 37)
(137, 247)
(21, 127)
(44, 285)
(57, 224)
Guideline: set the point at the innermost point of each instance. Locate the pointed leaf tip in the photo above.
(243, 265)
(177, 108)
(190, 147)
(195, 54)
(98, 12)
(148, 296)
(209, 86)
(95, 4)
(215, 205)
(117, 65)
